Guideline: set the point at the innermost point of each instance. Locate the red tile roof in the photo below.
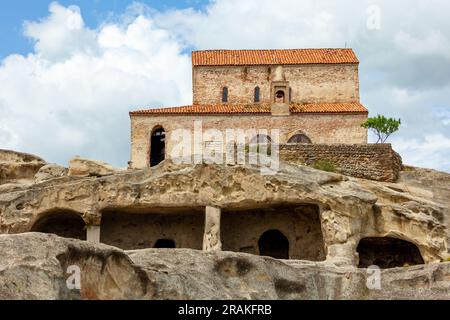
(253, 109)
(272, 57)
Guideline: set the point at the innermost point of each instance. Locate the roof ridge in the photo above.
(248, 108)
(285, 49)
(227, 57)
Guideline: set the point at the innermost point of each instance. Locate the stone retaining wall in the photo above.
(369, 161)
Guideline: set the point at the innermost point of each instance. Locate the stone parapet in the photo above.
(368, 161)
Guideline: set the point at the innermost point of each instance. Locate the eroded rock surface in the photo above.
(17, 167)
(350, 209)
(34, 266)
(49, 172)
(79, 167)
(38, 266)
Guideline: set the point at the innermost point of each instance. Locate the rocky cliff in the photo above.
(39, 266)
(17, 166)
(336, 222)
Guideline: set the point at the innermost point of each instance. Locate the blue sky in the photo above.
(71, 70)
(13, 13)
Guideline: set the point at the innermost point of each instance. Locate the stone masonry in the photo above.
(369, 161)
(320, 128)
(309, 83)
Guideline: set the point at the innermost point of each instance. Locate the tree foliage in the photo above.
(382, 127)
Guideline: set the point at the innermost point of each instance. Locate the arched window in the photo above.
(279, 96)
(165, 244)
(387, 252)
(257, 95)
(290, 95)
(157, 146)
(225, 95)
(274, 244)
(299, 138)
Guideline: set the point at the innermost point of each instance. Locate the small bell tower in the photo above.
(279, 93)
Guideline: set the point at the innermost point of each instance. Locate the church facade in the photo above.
(307, 95)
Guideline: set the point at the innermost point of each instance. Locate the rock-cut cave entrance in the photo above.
(387, 252)
(274, 243)
(285, 231)
(153, 228)
(64, 223)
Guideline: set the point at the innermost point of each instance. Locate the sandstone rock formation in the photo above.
(350, 209)
(79, 167)
(335, 222)
(431, 184)
(35, 266)
(18, 167)
(49, 172)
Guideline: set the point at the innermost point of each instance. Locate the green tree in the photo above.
(382, 127)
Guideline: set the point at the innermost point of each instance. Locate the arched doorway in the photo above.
(274, 243)
(157, 146)
(300, 138)
(387, 252)
(280, 96)
(64, 223)
(165, 244)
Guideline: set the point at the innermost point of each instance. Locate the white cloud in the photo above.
(61, 34)
(431, 149)
(72, 94)
(257, 24)
(432, 43)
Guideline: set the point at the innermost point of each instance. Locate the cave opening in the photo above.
(274, 243)
(64, 223)
(387, 252)
(153, 228)
(165, 244)
(294, 230)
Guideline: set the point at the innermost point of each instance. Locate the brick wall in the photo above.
(369, 161)
(320, 128)
(309, 83)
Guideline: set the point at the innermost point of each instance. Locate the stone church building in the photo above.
(310, 95)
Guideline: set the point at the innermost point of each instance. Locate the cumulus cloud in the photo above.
(73, 92)
(61, 34)
(414, 150)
